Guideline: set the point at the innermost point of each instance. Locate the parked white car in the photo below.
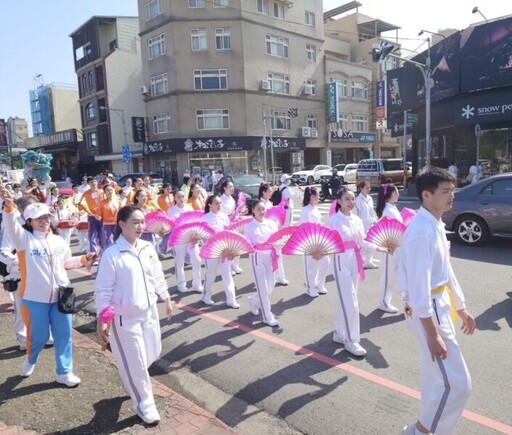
(311, 174)
(345, 172)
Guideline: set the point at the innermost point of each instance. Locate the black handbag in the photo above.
(66, 302)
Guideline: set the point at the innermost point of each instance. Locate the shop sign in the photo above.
(331, 102)
(348, 136)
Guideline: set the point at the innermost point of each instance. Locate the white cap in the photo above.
(285, 177)
(34, 211)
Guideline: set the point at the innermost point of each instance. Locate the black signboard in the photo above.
(138, 129)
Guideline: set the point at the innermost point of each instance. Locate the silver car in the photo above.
(482, 210)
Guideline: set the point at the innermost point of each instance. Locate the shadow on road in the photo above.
(496, 251)
(488, 320)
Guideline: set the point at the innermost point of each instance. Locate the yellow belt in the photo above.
(453, 310)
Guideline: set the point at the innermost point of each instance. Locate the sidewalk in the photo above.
(98, 406)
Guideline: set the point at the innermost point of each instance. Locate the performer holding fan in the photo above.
(315, 269)
(263, 262)
(348, 269)
(217, 221)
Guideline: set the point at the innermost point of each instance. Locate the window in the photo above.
(499, 188)
(156, 46)
(276, 46)
(220, 3)
(263, 7)
(359, 91)
(212, 119)
(83, 51)
(196, 3)
(90, 111)
(279, 10)
(342, 89)
(223, 38)
(159, 85)
(280, 84)
(161, 123)
(84, 82)
(311, 120)
(210, 79)
(280, 120)
(153, 9)
(343, 121)
(311, 53)
(90, 79)
(309, 18)
(360, 122)
(198, 39)
(92, 140)
(312, 85)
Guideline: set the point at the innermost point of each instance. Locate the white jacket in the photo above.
(129, 278)
(43, 260)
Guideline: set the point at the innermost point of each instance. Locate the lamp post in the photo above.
(475, 10)
(120, 113)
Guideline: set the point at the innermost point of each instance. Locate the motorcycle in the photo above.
(329, 188)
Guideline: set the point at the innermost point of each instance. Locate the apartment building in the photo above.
(223, 80)
(107, 59)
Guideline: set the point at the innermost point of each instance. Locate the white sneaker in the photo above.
(271, 322)
(355, 348)
(23, 347)
(207, 299)
(322, 291)
(255, 306)
(311, 293)
(235, 305)
(391, 309)
(338, 338)
(233, 273)
(371, 266)
(69, 379)
(152, 418)
(197, 289)
(26, 368)
(282, 281)
(183, 290)
(408, 430)
(238, 270)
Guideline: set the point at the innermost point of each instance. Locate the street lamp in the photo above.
(475, 10)
(432, 33)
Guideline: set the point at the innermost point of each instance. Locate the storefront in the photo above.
(349, 147)
(232, 155)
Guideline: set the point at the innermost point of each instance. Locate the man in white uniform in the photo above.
(433, 298)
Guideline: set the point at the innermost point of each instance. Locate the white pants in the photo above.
(235, 263)
(367, 254)
(445, 384)
(261, 266)
(195, 260)
(19, 324)
(82, 240)
(211, 271)
(65, 233)
(280, 275)
(347, 313)
(289, 215)
(315, 272)
(136, 344)
(388, 277)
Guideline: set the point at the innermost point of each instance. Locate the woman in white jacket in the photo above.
(315, 270)
(364, 209)
(217, 221)
(386, 206)
(129, 281)
(43, 260)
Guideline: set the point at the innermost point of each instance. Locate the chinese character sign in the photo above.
(331, 102)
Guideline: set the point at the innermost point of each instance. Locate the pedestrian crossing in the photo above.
(323, 207)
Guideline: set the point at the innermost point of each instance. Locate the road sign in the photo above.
(127, 155)
(412, 118)
(381, 124)
(478, 130)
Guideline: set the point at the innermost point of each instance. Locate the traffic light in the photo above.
(382, 52)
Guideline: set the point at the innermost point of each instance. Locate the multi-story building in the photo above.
(225, 79)
(17, 131)
(363, 34)
(56, 125)
(108, 66)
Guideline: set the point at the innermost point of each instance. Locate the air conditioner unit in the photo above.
(265, 85)
(309, 89)
(144, 90)
(305, 131)
(314, 132)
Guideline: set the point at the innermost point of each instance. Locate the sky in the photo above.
(34, 34)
